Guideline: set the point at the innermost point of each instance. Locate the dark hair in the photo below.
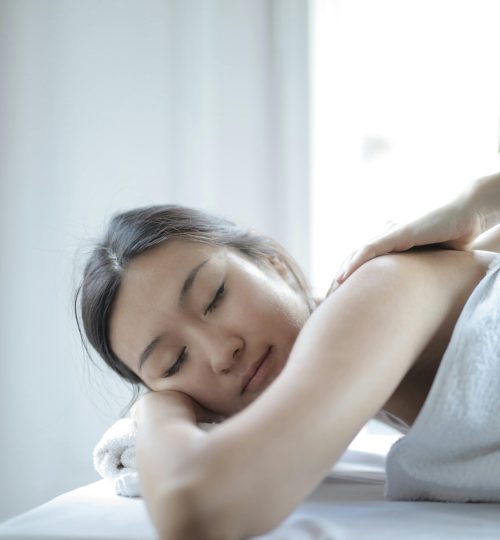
(136, 231)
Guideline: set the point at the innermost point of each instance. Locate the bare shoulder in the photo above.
(439, 279)
(413, 297)
(442, 272)
(449, 272)
(433, 258)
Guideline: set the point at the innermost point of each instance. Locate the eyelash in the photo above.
(182, 357)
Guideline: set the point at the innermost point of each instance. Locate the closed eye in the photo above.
(178, 363)
(218, 295)
(182, 357)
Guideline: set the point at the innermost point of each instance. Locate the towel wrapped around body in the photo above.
(452, 451)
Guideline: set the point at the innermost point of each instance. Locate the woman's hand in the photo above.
(452, 226)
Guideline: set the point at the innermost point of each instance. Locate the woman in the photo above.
(207, 315)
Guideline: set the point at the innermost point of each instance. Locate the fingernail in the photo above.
(334, 287)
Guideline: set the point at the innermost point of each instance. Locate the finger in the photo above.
(334, 286)
(376, 239)
(337, 279)
(359, 258)
(342, 267)
(395, 240)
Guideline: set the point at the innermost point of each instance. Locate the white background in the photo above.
(405, 107)
(108, 105)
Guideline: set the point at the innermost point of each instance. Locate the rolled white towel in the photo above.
(114, 456)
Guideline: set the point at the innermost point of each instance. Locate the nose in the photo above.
(222, 349)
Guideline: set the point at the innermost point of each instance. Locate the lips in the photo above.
(253, 370)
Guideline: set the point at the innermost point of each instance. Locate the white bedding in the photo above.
(348, 504)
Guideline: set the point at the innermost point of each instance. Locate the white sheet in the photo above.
(348, 506)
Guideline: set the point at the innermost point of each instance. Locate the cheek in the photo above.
(276, 317)
(288, 309)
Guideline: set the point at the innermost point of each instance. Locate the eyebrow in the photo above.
(148, 351)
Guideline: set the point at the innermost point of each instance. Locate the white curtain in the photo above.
(107, 105)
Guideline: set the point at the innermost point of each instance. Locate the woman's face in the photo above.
(199, 319)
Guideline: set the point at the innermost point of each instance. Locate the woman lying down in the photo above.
(209, 316)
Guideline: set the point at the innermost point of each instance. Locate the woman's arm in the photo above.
(250, 472)
(168, 432)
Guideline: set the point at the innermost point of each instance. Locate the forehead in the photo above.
(171, 261)
(167, 260)
(159, 269)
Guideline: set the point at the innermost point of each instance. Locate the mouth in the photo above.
(256, 375)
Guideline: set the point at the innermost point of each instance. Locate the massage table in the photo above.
(348, 504)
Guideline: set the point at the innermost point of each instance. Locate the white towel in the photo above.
(114, 456)
(452, 451)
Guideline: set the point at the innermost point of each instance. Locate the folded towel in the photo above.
(114, 456)
(452, 451)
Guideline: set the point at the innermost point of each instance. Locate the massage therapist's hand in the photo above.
(173, 403)
(452, 226)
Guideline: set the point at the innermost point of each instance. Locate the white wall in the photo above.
(106, 105)
(405, 107)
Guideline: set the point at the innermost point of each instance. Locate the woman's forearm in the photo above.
(167, 433)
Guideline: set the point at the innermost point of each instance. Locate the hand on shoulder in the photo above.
(453, 226)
